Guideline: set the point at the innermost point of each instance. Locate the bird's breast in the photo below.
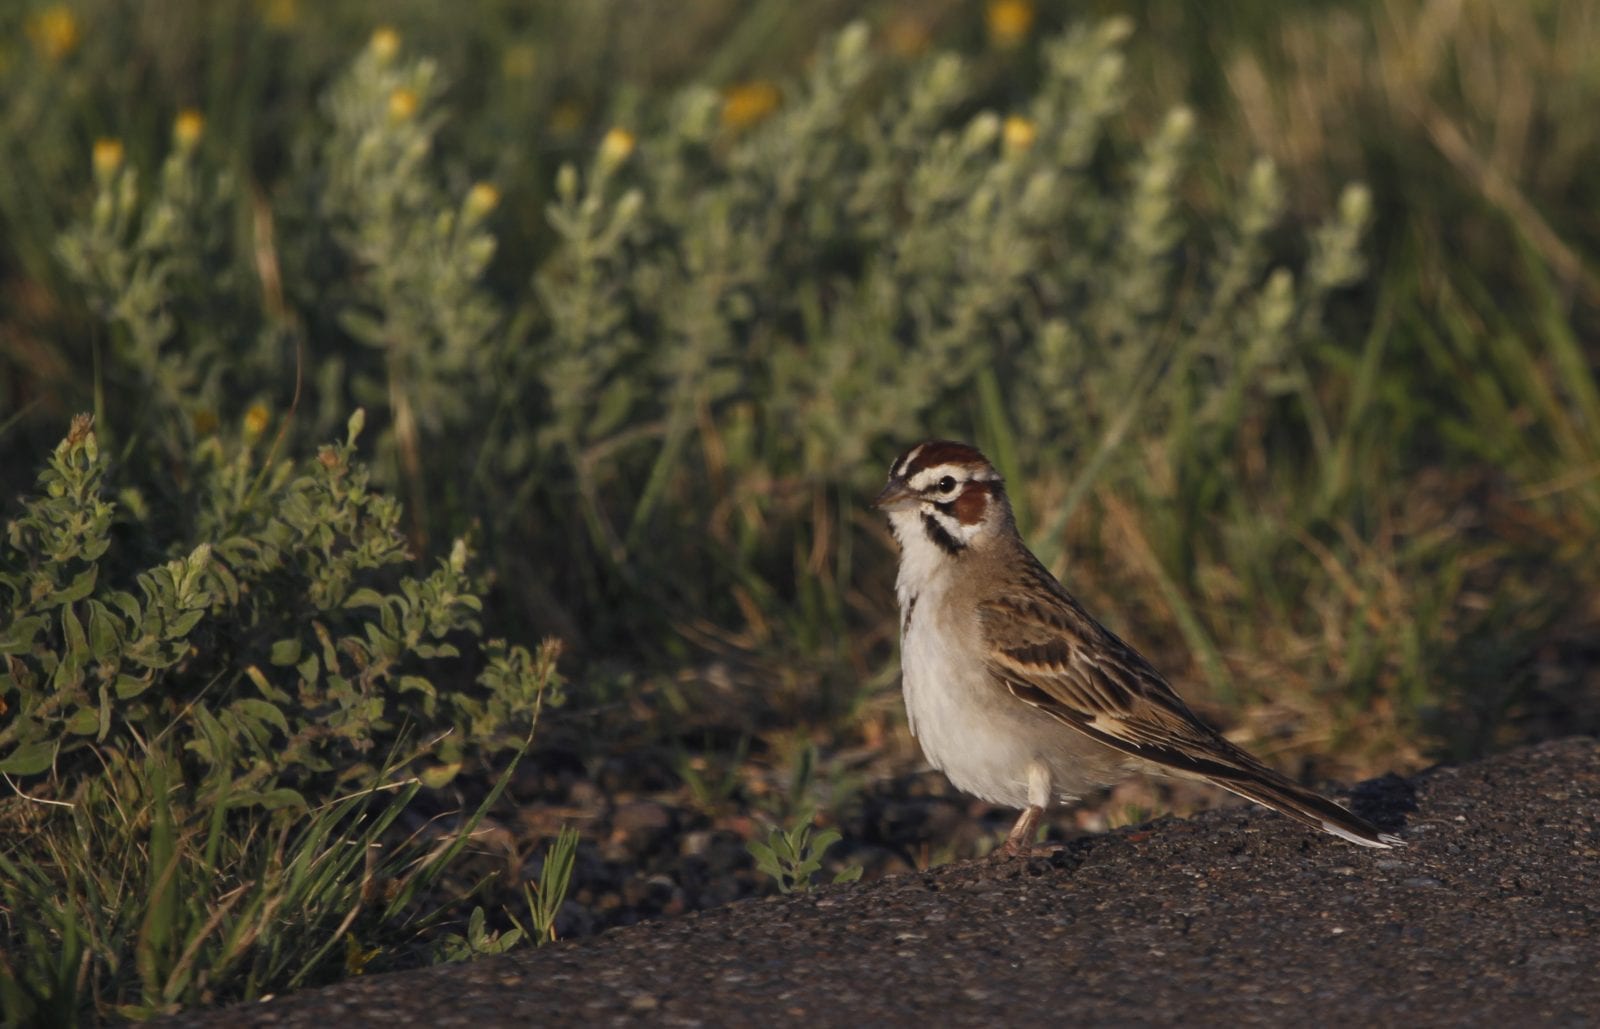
(968, 724)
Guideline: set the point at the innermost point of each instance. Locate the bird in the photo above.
(1015, 692)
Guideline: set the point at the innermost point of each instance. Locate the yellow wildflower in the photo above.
(107, 158)
(403, 104)
(519, 62)
(481, 199)
(615, 147)
(280, 14)
(1017, 134)
(188, 127)
(256, 420)
(1008, 21)
(385, 43)
(55, 32)
(749, 102)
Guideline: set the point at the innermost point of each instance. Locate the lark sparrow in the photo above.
(1014, 691)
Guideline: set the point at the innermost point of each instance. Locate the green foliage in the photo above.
(281, 647)
(882, 256)
(77, 656)
(555, 876)
(413, 254)
(157, 271)
(215, 751)
(752, 311)
(543, 901)
(141, 897)
(793, 856)
(479, 941)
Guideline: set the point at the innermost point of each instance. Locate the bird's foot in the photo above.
(1019, 841)
(1029, 851)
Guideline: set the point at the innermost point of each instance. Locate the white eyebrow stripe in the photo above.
(901, 465)
(928, 476)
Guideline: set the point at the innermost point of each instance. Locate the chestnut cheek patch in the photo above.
(971, 504)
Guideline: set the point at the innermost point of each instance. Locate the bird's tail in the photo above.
(1269, 789)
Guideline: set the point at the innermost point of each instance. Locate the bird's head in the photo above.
(945, 493)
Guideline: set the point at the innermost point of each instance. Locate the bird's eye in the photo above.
(947, 484)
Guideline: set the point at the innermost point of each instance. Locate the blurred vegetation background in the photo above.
(1279, 318)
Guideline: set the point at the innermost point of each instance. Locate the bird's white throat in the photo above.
(924, 567)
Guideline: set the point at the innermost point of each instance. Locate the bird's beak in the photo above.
(895, 495)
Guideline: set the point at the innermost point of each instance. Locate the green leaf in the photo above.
(181, 626)
(438, 776)
(364, 597)
(223, 576)
(84, 722)
(128, 605)
(129, 686)
(29, 759)
(213, 733)
(285, 652)
(68, 673)
(615, 402)
(81, 586)
(262, 711)
(103, 641)
(72, 632)
(105, 714)
(269, 800)
(265, 687)
(417, 684)
(17, 638)
(766, 860)
(362, 326)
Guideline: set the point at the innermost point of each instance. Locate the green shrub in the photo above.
(281, 648)
(142, 897)
(214, 758)
(793, 856)
(723, 306)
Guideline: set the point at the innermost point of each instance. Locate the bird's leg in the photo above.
(1020, 839)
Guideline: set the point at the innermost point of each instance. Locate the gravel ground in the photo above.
(1491, 913)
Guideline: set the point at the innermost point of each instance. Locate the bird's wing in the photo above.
(1050, 653)
(1047, 650)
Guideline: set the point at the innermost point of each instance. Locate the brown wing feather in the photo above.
(1053, 655)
